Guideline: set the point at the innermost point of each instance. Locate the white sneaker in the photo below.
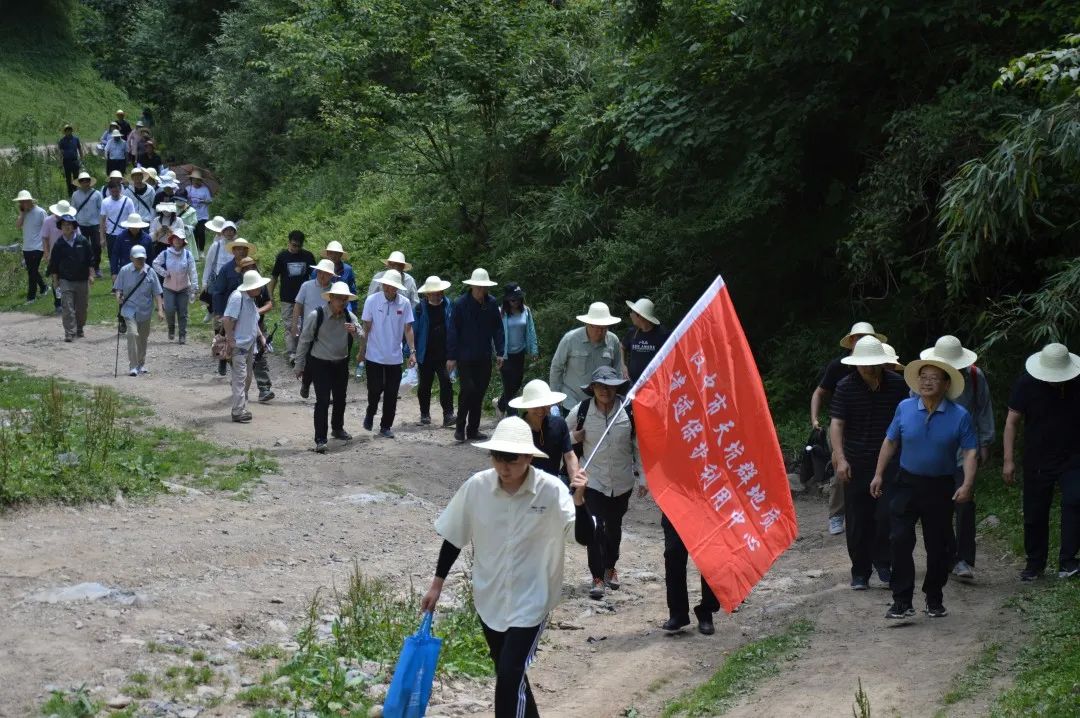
(133, 372)
(143, 370)
(963, 570)
(836, 525)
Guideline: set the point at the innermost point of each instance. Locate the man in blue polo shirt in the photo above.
(928, 429)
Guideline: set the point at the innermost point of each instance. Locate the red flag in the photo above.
(709, 449)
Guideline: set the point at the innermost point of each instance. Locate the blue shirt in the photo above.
(928, 443)
(139, 293)
(515, 326)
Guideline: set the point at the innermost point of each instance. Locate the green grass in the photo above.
(77, 704)
(744, 668)
(976, 676)
(264, 652)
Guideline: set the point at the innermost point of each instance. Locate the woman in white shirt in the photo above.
(179, 282)
(165, 224)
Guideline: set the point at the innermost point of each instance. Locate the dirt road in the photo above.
(229, 570)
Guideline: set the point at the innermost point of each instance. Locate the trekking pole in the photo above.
(116, 363)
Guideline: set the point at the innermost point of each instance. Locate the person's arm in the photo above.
(452, 332)
(448, 554)
(46, 239)
(193, 278)
(159, 263)
(159, 300)
(885, 457)
(1012, 424)
(625, 362)
(361, 351)
(971, 465)
(499, 337)
(558, 366)
(820, 396)
(618, 366)
(985, 417)
(20, 219)
(303, 345)
(840, 464)
(410, 339)
(101, 238)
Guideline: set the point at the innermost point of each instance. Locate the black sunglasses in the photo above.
(504, 458)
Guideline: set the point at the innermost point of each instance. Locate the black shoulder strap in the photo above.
(318, 323)
(89, 194)
(582, 412)
(135, 288)
(628, 406)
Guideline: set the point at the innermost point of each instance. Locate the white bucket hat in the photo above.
(956, 379)
(61, 208)
(253, 280)
(537, 393)
(599, 314)
(480, 278)
(169, 207)
(340, 289)
(84, 175)
(857, 329)
(216, 224)
(392, 277)
(949, 350)
(896, 363)
(137, 170)
(241, 242)
(397, 258)
(228, 225)
(325, 265)
(433, 284)
(645, 308)
(116, 133)
(869, 351)
(24, 196)
(1054, 364)
(138, 252)
(134, 221)
(335, 246)
(512, 436)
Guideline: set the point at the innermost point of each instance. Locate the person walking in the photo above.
(388, 319)
(72, 270)
(137, 290)
(116, 153)
(140, 193)
(165, 223)
(71, 156)
(240, 322)
(180, 284)
(214, 260)
(976, 399)
(642, 342)
(343, 271)
(136, 235)
(30, 220)
(834, 371)
(862, 408)
(200, 197)
(582, 351)
(1046, 400)
(614, 471)
(928, 430)
(322, 353)
(87, 203)
(433, 320)
(115, 208)
(550, 433)
(396, 261)
(264, 304)
(186, 214)
(519, 341)
(50, 235)
(676, 557)
(517, 569)
(310, 296)
(122, 125)
(291, 267)
(476, 331)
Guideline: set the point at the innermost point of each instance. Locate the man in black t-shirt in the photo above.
(550, 433)
(641, 343)
(1046, 397)
(292, 267)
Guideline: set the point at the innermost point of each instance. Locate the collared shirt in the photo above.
(1051, 421)
(615, 468)
(33, 221)
(928, 443)
(519, 542)
(116, 149)
(88, 204)
(554, 440)
(142, 200)
(332, 344)
(834, 371)
(241, 308)
(200, 199)
(310, 295)
(177, 270)
(70, 148)
(410, 286)
(139, 293)
(344, 274)
(476, 329)
(115, 211)
(866, 414)
(577, 358)
(388, 318)
(51, 232)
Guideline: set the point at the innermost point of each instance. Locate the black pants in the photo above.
(200, 235)
(513, 374)
(962, 546)
(93, 235)
(431, 368)
(866, 523)
(35, 283)
(331, 379)
(608, 512)
(71, 171)
(118, 165)
(675, 557)
(1038, 496)
(512, 651)
(474, 377)
(928, 499)
(382, 380)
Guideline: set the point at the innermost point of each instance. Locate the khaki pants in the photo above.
(287, 309)
(74, 298)
(242, 369)
(137, 334)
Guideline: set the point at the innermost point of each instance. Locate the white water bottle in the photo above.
(360, 371)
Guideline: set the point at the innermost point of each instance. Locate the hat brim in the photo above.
(250, 247)
(386, 263)
(263, 281)
(440, 287)
(848, 342)
(391, 283)
(317, 268)
(215, 228)
(587, 388)
(868, 361)
(344, 254)
(348, 296)
(956, 379)
(91, 180)
(550, 399)
(480, 283)
(609, 322)
(510, 447)
(57, 213)
(134, 225)
(648, 317)
(967, 358)
(1040, 372)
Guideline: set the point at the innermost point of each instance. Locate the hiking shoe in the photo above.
(182, 339)
(1030, 574)
(79, 334)
(675, 624)
(449, 420)
(963, 570)
(242, 418)
(341, 434)
(611, 579)
(69, 339)
(479, 436)
(143, 370)
(884, 574)
(425, 420)
(320, 447)
(597, 591)
(133, 372)
(704, 622)
(859, 583)
(459, 436)
(265, 396)
(1069, 570)
(899, 611)
(836, 525)
(369, 423)
(386, 433)
(171, 336)
(936, 610)
(305, 391)
(221, 365)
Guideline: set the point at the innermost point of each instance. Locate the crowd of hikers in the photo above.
(903, 442)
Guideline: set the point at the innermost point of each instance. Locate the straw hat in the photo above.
(216, 224)
(949, 350)
(537, 393)
(138, 252)
(335, 246)
(896, 363)
(253, 280)
(137, 170)
(512, 436)
(397, 258)
(116, 174)
(116, 134)
(339, 289)
(195, 175)
(240, 242)
(956, 379)
(61, 208)
(480, 278)
(23, 196)
(152, 172)
(84, 175)
(392, 277)
(1054, 364)
(134, 221)
(645, 308)
(607, 376)
(869, 351)
(598, 315)
(433, 284)
(861, 328)
(169, 207)
(325, 265)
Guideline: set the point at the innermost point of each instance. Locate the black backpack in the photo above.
(583, 411)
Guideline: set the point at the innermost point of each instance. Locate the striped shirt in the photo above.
(866, 415)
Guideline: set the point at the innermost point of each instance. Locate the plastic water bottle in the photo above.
(360, 371)
(453, 374)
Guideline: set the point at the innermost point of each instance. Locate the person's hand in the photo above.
(412, 360)
(579, 480)
(350, 328)
(815, 424)
(875, 486)
(451, 365)
(642, 491)
(1008, 472)
(984, 454)
(427, 603)
(300, 374)
(843, 470)
(963, 494)
(498, 362)
(161, 314)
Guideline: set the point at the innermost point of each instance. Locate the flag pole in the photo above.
(607, 430)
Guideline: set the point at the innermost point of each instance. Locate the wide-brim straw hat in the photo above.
(116, 174)
(896, 363)
(392, 278)
(1054, 364)
(397, 258)
(512, 436)
(84, 175)
(607, 376)
(61, 208)
(537, 393)
(433, 284)
(335, 246)
(480, 278)
(860, 329)
(869, 351)
(151, 171)
(24, 196)
(253, 280)
(134, 221)
(956, 379)
(216, 224)
(325, 265)
(598, 315)
(645, 308)
(241, 242)
(949, 350)
(137, 170)
(339, 289)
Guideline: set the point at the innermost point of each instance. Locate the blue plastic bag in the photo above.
(410, 688)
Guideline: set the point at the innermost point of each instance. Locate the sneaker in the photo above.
(836, 525)
(265, 396)
(386, 433)
(704, 622)
(449, 421)
(79, 334)
(459, 436)
(963, 570)
(898, 611)
(320, 447)
(673, 625)
(69, 339)
(182, 340)
(425, 420)
(884, 574)
(305, 390)
(171, 336)
(221, 366)
(611, 579)
(936, 610)
(242, 418)
(143, 370)
(479, 436)
(597, 591)
(369, 423)
(859, 583)
(133, 372)
(1030, 574)
(341, 434)
(1069, 570)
